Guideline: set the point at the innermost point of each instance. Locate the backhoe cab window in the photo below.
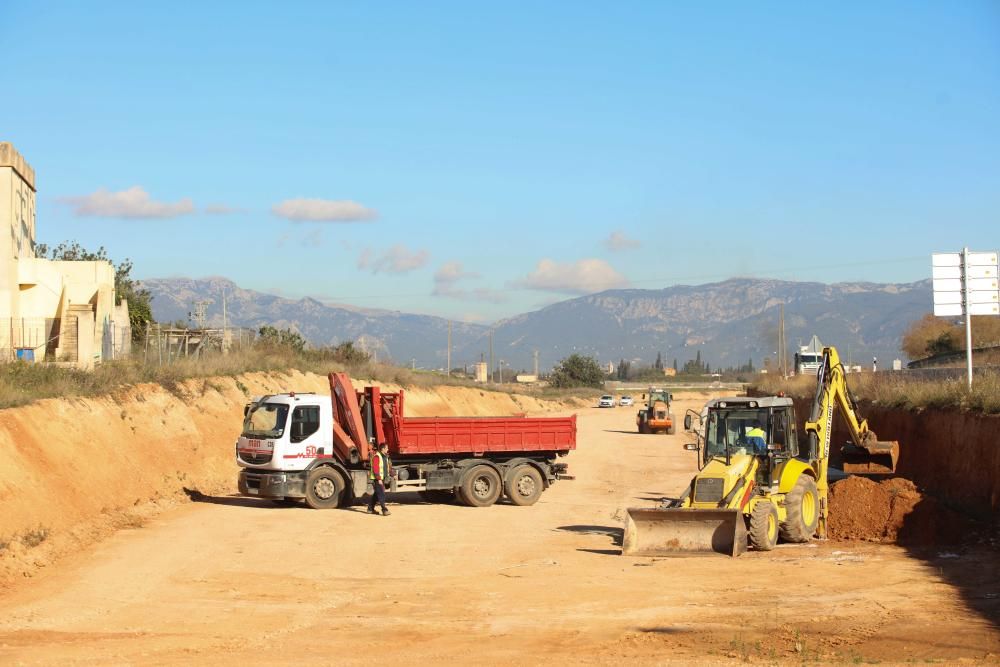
(734, 427)
(266, 420)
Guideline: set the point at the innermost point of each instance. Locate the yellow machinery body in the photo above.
(756, 482)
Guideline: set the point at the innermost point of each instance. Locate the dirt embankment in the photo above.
(73, 470)
(951, 455)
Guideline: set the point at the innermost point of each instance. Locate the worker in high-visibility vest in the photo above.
(756, 438)
(378, 474)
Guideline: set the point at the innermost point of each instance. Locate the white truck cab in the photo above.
(283, 439)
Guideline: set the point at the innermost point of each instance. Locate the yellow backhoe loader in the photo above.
(757, 482)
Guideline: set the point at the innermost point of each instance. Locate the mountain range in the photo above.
(728, 322)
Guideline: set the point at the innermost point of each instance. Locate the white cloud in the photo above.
(133, 203)
(583, 276)
(323, 210)
(397, 259)
(450, 273)
(222, 209)
(618, 241)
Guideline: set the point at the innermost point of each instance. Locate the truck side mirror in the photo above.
(687, 422)
(691, 446)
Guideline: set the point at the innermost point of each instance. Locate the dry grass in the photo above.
(899, 391)
(22, 383)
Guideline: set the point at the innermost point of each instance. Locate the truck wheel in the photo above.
(802, 504)
(481, 486)
(763, 526)
(524, 485)
(324, 486)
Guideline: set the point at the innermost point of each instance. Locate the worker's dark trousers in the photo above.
(378, 495)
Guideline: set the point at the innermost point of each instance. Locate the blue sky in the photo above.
(475, 161)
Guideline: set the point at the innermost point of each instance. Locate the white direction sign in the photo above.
(951, 277)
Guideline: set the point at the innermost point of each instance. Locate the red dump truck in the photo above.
(308, 446)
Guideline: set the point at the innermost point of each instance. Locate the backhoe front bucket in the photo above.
(669, 532)
(874, 457)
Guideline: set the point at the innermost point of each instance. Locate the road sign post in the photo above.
(966, 284)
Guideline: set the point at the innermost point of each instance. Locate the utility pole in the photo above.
(534, 354)
(782, 353)
(492, 374)
(448, 370)
(225, 331)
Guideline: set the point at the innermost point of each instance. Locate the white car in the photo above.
(607, 401)
(625, 401)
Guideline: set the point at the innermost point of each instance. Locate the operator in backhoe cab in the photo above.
(757, 438)
(378, 475)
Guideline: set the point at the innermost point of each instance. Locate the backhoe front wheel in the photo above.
(802, 504)
(763, 526)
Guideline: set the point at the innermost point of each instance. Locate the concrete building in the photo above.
(63, 311)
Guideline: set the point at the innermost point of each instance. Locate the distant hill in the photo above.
(389, 334)
(729, 322)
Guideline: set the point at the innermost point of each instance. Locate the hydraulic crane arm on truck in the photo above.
(755, 482)
(296, 445)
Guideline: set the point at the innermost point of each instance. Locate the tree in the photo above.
(140, 311)
(932, 335)
(675, 364)
(286, 338)
(348, 353)
(658, 364)
(577, 370)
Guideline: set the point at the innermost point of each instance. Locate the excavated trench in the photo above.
(947, 483)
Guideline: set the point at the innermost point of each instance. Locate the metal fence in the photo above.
(165, 344)
(34, 338)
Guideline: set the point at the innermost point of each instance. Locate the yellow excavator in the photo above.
(757, 482)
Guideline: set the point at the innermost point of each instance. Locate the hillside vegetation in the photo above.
(898, 390)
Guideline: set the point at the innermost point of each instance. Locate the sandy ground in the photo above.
(236, 581)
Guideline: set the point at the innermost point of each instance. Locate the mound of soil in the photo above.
(892, 511)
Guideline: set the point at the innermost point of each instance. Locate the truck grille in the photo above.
(256, 459)
(708, 490)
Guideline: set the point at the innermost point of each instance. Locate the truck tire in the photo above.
(481, 486)
(524, 485)
(802, 505)
(763, 526)
(324, 487)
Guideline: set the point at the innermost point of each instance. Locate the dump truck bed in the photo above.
(482, 435)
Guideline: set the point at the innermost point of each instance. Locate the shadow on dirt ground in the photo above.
(614, 532)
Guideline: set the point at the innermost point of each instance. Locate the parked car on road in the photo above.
(607, 401)
(625, 401)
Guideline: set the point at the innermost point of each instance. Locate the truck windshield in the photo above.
(735, 428)
(661, 396)
(265, 420)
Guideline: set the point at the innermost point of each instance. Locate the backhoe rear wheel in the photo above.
(802, 505)
(763, 526)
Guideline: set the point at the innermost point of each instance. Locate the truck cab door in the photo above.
(304, 433)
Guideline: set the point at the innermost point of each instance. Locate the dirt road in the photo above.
(238, 580)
